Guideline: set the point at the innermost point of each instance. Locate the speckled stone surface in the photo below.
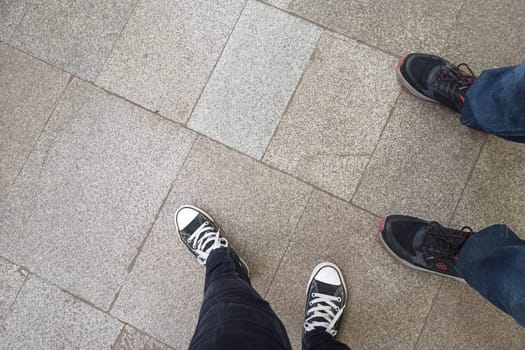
(44, 317)
(11, 12)
(90, 191)
(257, 210)
(29, 90)
(76, 36)
(387, 302)
(421, 164)
(132, 339)
(462, 319)
(283, 4)
(488, 34)
(338, 112)
(11, 279)
(397, 25)
(496, 192)
(254, 79)
(167, 52)
(301, 141)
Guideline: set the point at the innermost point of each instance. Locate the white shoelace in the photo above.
(204, 240)
(322, 306)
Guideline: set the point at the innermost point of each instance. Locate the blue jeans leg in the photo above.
(492, 262)
(233, 315)
(495, 103)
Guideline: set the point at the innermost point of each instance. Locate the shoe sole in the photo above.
(406, 263)
(209, 219)
(406, 85)
(319, 267)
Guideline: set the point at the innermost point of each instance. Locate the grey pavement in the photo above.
(283, 120)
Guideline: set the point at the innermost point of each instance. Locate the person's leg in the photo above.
(325, 304)
(233, 315)
(495, 103)
(492, 262)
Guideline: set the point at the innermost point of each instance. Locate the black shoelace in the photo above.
(445, 242)
(453, 81)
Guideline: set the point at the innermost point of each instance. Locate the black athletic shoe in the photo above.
(199, 233)
(325, 299)
(434, 79)
(423, 245)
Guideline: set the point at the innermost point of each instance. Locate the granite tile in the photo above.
(387, 302)
(46, 318)
(421, 163)
(488, 34)
(11, 279)
(254, 78)
(496, 192)
(11, 12)
(76, 35)
(462, 319)
(283, 4)
(90, 191)
(29, 90)
(133, 339)
(257, 209)
(397, 25)
(338, 112)
(167, 52)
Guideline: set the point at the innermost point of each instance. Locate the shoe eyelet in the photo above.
(313, 295)
(339, 299)
(311, 304)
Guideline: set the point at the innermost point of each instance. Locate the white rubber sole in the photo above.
(209, 219)
(319, 267)
(407, 264)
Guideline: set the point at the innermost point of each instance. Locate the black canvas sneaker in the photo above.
(424, 245)
(325, 299)
(434, 79)
(199, 233)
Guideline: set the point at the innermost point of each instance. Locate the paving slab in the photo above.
(11, 12)
(496, 192)
(254, 78)
(133, 339)
(11, 279)
(462, 319)
(257, 209)
(421, 163)
(387, 302)
(44, 317)
(336, 116)
(398, 25)
(488, 34)
(167, 52)
(90, 190)
(29, 90)
(283, 4)
(76, 36)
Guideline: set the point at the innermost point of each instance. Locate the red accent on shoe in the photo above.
(401, 60)
(382, 225)
(441, 266)
(462, 98)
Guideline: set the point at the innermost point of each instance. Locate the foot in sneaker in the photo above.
(424, 245)
(325, 299)
(434, 79)
(200, 234)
